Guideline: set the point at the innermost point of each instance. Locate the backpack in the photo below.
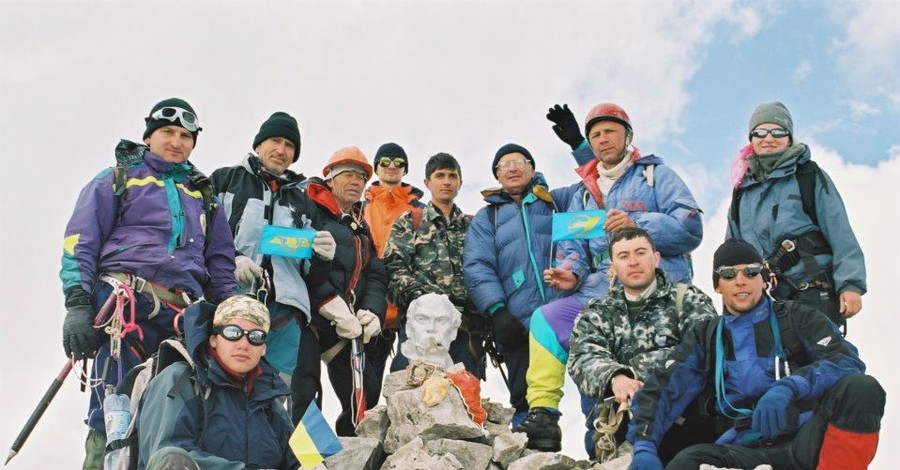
(123, 453)
(130, 154)
(806, 174)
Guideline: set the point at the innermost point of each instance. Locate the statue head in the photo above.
(431, 325)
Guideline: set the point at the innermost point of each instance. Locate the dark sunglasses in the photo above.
(187, 118)
(776, 133)
(385, 162)
(731, 272)
(255, 337)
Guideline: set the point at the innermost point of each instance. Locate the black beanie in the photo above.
(154, 124)
(391, 150)
(508, 149)
(734, 251)
(279, 124)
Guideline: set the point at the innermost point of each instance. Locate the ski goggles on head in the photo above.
(255, 337)
(187, 119)
(731, 272)
(385, 162)
(776, 133)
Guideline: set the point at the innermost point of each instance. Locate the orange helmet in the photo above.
(606, 112)
(348, 155)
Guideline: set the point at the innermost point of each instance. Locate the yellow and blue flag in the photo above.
(286, 241)
(581, 224)
(313, 440)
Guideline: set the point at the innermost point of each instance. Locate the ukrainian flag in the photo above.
(313, 440)
(581, 224)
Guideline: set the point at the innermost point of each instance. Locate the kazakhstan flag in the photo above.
(581, 224)
(286, 241)
(313, 440)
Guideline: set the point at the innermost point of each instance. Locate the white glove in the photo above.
(246, 271)
(324, 245)
(339, 313)
(371, 325)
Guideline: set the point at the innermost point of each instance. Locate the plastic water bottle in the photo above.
(117, 417)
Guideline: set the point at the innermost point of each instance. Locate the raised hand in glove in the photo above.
(324, 245)
(246, 271)
(345, 323)
(370, 323)
(508, 331)
(80, 339)
(565, 125)
(771, 416)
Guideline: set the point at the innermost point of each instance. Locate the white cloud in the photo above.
(802, 71)
(869, 50)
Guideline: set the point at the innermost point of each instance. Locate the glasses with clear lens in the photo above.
(731, 272)
(187, 118)
(509, 164)
(776, 133)
(255, 337)
(385, 162)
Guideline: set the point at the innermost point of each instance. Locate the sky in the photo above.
(463, 77)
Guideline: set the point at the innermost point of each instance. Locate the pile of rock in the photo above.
(406, 434)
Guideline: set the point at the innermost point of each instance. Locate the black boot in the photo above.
(542, 427)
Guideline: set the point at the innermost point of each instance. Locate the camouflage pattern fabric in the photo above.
(243, 308)
(427, 260)
(607, 340)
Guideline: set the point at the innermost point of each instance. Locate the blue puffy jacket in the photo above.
(507, 250)
(772, 210)
(657, 200)
(240, 431)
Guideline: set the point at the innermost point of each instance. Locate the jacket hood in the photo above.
(198, 319)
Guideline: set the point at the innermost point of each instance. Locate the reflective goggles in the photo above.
(188, 119)
(776, 133)
(385, 162)
(731, 272)
(255, 337)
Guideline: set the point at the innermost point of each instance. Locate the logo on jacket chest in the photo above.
(633, 205)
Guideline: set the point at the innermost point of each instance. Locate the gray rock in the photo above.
(447, 419)
(618, 463)
(359, 452)
(413, 456)
(394, 382)
(496, 412)
(508, 447)
(543, 461)
(471, 455)
(375, 424)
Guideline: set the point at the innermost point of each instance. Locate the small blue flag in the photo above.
(581, 224)
(313, 441)
(286, 241)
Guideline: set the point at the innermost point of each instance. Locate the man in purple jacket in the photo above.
(146, 239)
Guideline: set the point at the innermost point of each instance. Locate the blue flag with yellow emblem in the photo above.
(313, 440)
(576, 225)
(286, 241)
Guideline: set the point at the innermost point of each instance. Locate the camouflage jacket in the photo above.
(607, 340)
(428, 259)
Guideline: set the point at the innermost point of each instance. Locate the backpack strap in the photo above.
(806, 174)
(416, 213)
(790, 341)
(680, 290)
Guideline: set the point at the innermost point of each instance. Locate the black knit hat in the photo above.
(154, 124)
(279, 124)
(391, 150)
(508, 149)
(734, 251)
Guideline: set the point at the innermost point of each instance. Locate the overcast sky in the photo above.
(463, 77)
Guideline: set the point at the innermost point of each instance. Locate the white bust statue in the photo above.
(431, 325)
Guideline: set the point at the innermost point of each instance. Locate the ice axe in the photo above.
(357, 363)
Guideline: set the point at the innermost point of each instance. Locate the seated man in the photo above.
(790, 390)
(233, 420)
(620, 337)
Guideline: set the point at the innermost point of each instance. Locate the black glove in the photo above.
(565, 125)
(508, 332)
(80, 339)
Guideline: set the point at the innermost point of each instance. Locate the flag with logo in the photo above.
(578, 225)
(313, 440)
(286, 241)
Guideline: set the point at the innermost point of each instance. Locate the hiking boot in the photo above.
(542, 427)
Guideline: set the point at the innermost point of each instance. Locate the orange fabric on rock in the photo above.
(470, 389)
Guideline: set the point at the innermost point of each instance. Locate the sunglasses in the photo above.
(731, 272)
(187, 118)
(255, 337)
(385, 162)
(776, 133)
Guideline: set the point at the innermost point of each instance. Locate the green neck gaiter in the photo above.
(761, 166)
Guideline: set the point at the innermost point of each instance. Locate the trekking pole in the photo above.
(357, 363)
(51, 393)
